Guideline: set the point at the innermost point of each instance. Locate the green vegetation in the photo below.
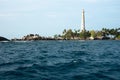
(92, 34)
(104, 34)
(118, 37)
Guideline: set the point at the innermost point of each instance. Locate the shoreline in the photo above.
(57, 40)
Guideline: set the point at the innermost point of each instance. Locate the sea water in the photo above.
(60, 60)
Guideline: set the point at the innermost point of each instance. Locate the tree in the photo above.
(118, 37)
(68, 35)
(93, 33)
(105, 32)
(31, 34)
(87, 34)
(64, 31)
(82, 35)
(99, 33)
(76, 33)
(118, 32)
(56, 36)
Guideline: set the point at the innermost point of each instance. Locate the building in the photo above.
(83, 21)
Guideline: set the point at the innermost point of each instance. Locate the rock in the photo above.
(3, 39)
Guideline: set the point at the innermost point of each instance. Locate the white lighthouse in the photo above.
(83, 21)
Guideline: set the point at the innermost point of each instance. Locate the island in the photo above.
(104, 34)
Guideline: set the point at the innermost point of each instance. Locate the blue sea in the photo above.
(60, 60)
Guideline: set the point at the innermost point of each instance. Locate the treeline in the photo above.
(92, 34)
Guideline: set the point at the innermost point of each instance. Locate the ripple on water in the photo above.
(60, 60)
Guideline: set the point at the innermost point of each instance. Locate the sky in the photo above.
(49, 17)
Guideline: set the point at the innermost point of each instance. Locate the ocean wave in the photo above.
(64, 60)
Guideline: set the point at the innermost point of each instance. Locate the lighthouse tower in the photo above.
(83, 21)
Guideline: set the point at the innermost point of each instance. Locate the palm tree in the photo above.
(64, 31)
(75, 34)
(69, 34)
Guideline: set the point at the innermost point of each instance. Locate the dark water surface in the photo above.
(60, 60)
